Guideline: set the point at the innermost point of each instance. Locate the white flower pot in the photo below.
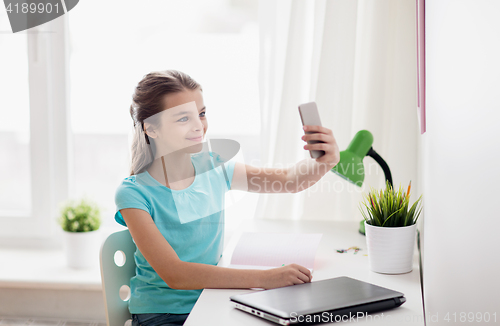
(390, 249)
(82, 249)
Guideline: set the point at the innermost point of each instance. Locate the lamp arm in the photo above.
(381, 162)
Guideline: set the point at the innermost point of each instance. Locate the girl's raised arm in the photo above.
(296, 178)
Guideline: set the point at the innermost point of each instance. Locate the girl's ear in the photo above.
(149, 130)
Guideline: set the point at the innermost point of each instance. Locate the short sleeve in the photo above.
(228, 168)
(129, 195)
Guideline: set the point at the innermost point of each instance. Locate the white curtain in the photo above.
(357, 61)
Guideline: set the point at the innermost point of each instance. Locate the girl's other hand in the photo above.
(284, 276)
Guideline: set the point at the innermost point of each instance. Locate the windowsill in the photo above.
(47, 269)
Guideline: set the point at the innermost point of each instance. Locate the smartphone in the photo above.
(310, 117)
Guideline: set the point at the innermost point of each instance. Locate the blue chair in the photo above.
(117, 268)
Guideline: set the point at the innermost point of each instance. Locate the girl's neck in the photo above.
(173, 172)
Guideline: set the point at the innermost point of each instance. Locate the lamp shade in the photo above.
(350, 166)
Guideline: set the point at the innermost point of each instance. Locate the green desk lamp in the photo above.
(350, 166)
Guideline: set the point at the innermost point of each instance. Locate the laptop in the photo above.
(330, 300)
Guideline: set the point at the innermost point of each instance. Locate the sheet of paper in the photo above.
(275, 249)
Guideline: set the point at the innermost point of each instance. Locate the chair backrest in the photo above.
(117, 267)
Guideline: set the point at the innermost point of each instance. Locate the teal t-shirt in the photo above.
(191, 220)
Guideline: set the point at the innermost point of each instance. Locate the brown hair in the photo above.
(147, 101)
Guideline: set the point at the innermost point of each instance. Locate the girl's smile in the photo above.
(196, 139)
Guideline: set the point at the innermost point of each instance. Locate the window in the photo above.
(214, 42)
(65, 123)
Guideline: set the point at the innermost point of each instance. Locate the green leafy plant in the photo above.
(390, 208)
(80, 216)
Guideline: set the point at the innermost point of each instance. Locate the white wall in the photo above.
(461, 155)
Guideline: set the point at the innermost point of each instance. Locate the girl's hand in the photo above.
(284, 276)
(329, 145)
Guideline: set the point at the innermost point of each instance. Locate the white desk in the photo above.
(214, 308)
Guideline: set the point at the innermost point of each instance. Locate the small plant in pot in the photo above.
(390, 227)
(80, 221)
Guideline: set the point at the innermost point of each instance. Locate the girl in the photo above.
(173, 201)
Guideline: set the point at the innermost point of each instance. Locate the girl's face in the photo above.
(182, 125)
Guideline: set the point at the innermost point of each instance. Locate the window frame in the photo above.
(50, 138)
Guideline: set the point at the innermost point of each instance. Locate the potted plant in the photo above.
(80, 221)
(390, 227)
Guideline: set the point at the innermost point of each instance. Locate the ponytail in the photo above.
(142, 152)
